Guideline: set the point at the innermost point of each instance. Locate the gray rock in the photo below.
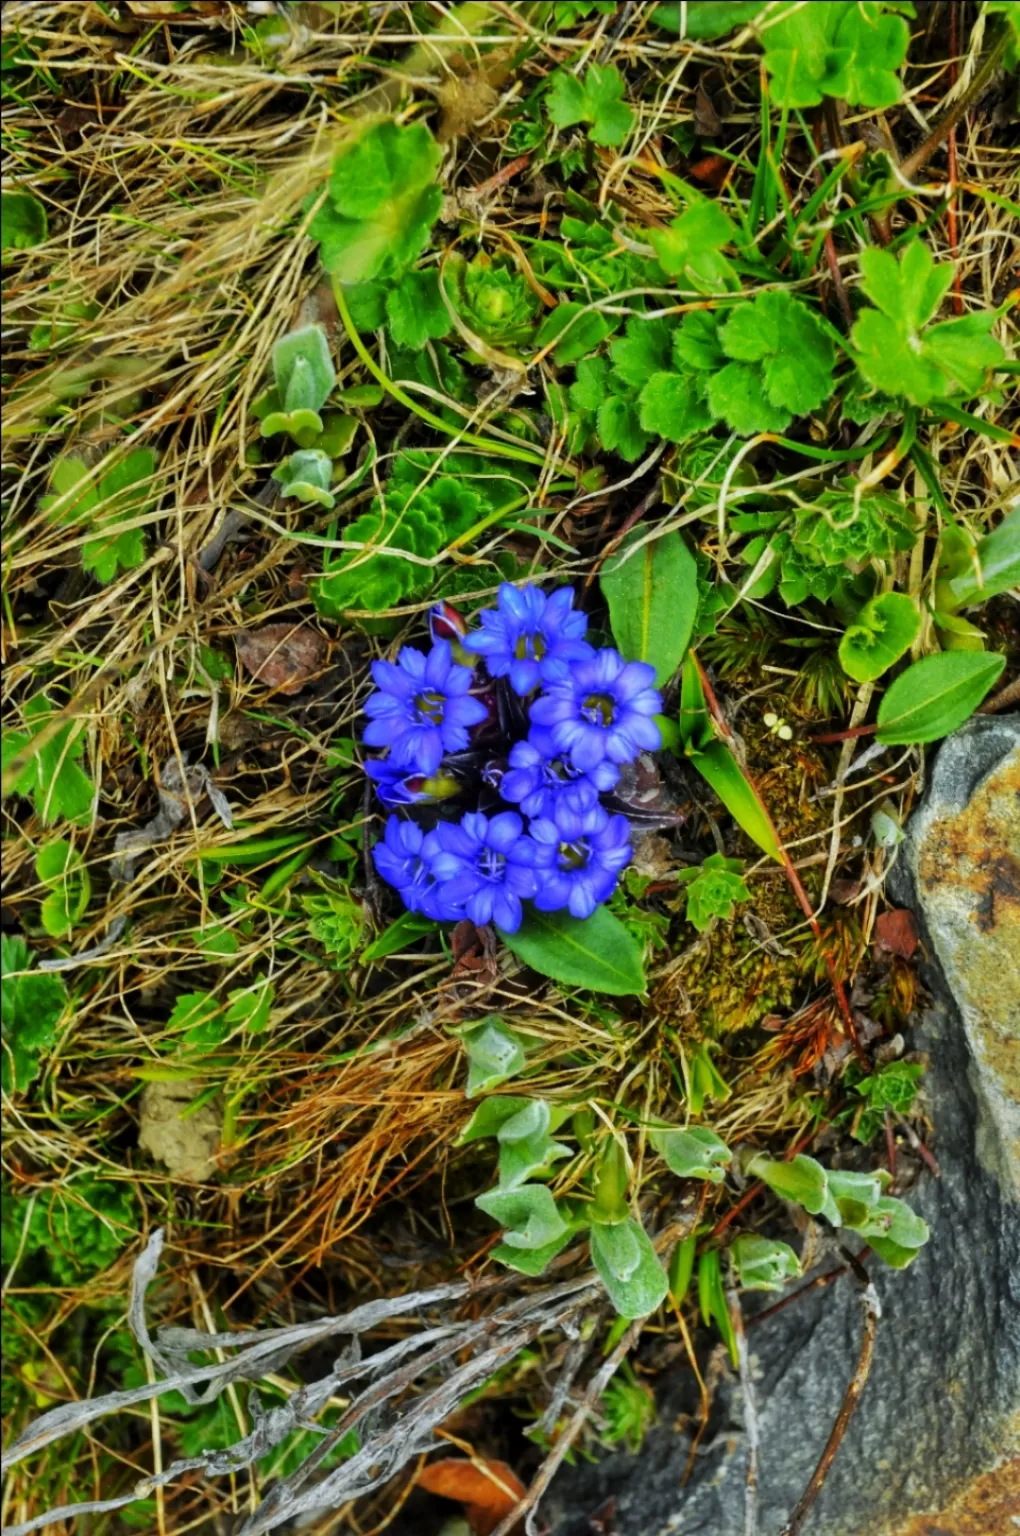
(937, 1429)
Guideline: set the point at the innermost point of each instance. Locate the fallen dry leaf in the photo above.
(283, 656)
(896, 932)
(487, 1495)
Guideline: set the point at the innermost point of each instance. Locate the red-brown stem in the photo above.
(890, 1144)
(832, 736)
(831, 259)
(791, 875)
(756, 1189)
(502, 175)
(872, 1313)
(813, 1285)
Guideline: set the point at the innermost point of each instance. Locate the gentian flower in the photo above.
(396, 786)
(581, 850)
(482, 868)
(537, 772)
(530, 638)
(398, 858)
(422, 708)
(602, 709)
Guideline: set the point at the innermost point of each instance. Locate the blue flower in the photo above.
(537, 773)
(482, 868)
(581, 850)
(398, 858)
(530, 638)
(396, 786)
(422, 708)
(601, 710)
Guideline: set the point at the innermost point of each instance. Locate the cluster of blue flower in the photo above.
(581, 714)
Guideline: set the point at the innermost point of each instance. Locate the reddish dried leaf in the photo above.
(488, 1496)
(896, 932)
(283, 656)
(712, 168)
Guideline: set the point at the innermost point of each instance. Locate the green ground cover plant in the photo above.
(324, 334)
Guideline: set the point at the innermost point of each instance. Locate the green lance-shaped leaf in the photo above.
(491, 1115)
(800, 1179)
(695, 1153)
(303, 368)
(681, 1269)
(762, 1263)
(532, 1261)
(704, 1080)
(883, 631)
(712, 1299)
(994, 568)
(494, 1053)
(628, 1267)
(856, 1194)
(652, 594)
(719, 768)
(935, 696)
(596, 952)
(307, 475)
(528, 1214)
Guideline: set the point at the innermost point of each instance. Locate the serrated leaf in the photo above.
(619, 428)
(581, 328)
(936, 696)
(597, 100)
(694, 1153)
(597, 952)
(381, 204)
(653, 599)
(675, 406)
(528, 1214)
(883, 631)
(691, 247)
(51, 776)
(846, 48)
(31, 1006)
(645, 349)
(415, 311)
(789, 355)
(896, 353)
(628, 1267)
(250, 1007)
(737, 394)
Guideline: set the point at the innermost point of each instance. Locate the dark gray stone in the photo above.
(942, 1404)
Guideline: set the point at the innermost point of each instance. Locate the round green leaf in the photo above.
(23, 219)
(883, 631)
